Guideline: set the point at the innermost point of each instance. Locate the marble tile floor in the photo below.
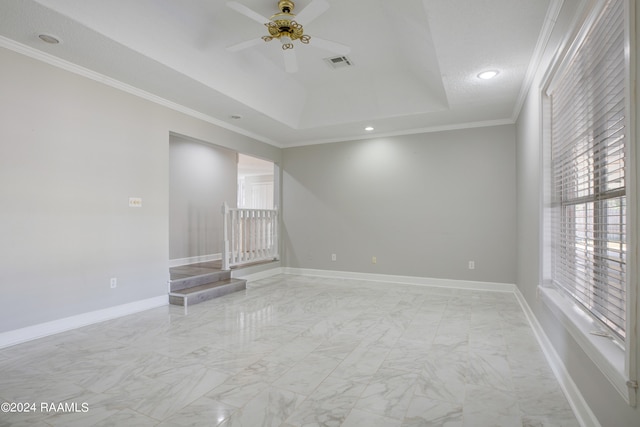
(295, 351)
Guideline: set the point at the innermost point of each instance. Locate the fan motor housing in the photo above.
(283, 27)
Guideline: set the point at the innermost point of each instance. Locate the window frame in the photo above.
(616, 360)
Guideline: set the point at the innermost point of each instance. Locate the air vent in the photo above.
(339, 62)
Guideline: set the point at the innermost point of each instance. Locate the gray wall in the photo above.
(602, 398)
(72, 152)
(424, 205)
(202, 177)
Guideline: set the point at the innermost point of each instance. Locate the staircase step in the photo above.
(179, 283)
(206, 291)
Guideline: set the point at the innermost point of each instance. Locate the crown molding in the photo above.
(116, 84)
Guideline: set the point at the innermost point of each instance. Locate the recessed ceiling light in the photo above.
(486, 75)
(48, 38)
(368, 128)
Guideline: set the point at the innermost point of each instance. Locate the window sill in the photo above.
(607, 355)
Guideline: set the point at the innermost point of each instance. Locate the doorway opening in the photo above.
(256, 179)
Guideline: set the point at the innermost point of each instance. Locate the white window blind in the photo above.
(588, 136)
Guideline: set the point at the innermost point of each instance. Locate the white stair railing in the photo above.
(250, 235)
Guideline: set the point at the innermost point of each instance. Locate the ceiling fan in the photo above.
(288, 27)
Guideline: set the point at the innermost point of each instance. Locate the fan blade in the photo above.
(290, 61)
(244, 45)
(334, 47)
(244, 10)
(312, 11)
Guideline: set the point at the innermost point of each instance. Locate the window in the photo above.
(589, 195)
(588, 136)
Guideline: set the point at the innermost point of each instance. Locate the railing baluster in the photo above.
(249, 235)
(270, 223)
(250, 244)
(225, 236)
(275, 235)
(265, 237)
(243, 235)
(247, 246)
(260, 234)
(236, 224)
(268, 234)
(254, 234)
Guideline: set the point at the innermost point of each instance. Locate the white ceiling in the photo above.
(415, 61)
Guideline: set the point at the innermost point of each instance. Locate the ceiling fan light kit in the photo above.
(282, 26)
(287, 27)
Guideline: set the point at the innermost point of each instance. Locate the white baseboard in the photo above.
(581, 409)
(406, 280)
(41, 330)
(252, 277)
(194, 260)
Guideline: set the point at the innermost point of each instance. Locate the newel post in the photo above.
(225, 232)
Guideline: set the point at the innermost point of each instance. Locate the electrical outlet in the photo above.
(333, 257)
(472, 265)
(374, 260)
(114, 282)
